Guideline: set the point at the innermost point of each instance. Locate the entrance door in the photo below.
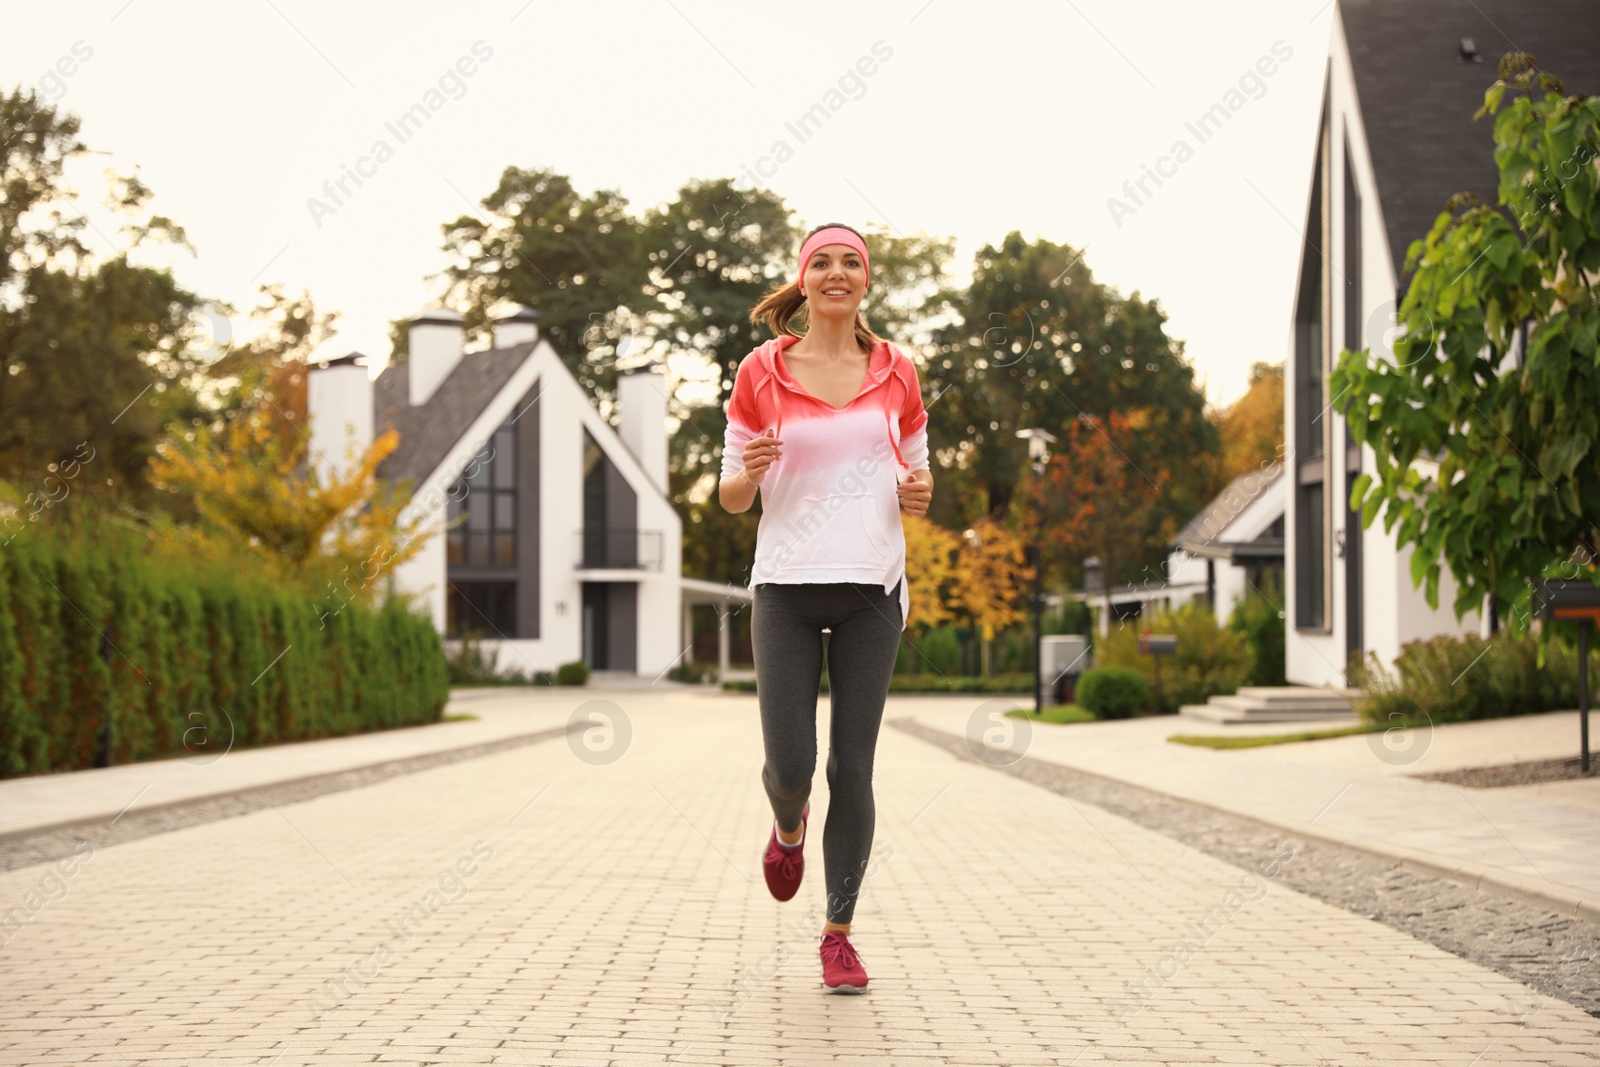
(596, 627)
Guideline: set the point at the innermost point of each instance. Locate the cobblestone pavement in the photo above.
(1558, 956)
(598, 900)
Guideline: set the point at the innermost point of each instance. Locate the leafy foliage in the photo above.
(1036, 341)
(1113, 692)
(94, 350)
(1456, 678)
(258, 498)
(187, 659)
(1257, 618)
(931, 570)
(1252, 427)
(1210, 660)
(1485, 446)
(1106, 503)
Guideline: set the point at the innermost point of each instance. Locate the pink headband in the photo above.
(833, 235)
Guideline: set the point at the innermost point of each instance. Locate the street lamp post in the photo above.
(1039, 442)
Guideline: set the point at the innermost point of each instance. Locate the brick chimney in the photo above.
(436, 340)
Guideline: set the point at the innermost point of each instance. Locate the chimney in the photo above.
(517, 325)
(642, 394)
(437, 337)
(339, 403)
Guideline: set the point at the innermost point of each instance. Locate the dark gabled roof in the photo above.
(1208, 524)
(429, 432)
(1417, 95)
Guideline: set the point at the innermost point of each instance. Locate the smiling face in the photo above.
(836, 280)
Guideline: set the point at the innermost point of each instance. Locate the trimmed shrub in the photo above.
(1113, 692)
(574, 673)
(1209, 661)
(1456, 678)
(182, 660)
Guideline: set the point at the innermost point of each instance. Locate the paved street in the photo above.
(544, 906)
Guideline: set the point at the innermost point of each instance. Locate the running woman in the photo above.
(829, 428)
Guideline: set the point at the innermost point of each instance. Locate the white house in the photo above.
(1395, 140)
(550, 532)
(1233, 544)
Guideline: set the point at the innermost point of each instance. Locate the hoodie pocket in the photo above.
(835, 530)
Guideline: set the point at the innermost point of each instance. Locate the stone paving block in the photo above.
(606, 923)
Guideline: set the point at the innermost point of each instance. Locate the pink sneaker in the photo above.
(841, 967)
(784, 866)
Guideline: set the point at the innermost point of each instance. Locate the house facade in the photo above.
(549, 533)
(1231, 546)
(1395, 140)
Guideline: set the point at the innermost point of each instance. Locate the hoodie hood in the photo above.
(882, 366)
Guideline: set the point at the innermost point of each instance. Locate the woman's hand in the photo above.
(758, 456)
(916, 492)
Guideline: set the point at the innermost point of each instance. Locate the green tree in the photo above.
(579, 260)
(1512, 427)
(1039, 342)
(95, 351)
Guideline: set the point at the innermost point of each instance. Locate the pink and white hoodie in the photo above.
(829, 512)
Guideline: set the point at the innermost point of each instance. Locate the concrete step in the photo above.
(1231, 716)
(1295, 695)
(1296, 707)
(1288, 703)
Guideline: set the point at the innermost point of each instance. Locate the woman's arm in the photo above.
(736, 493)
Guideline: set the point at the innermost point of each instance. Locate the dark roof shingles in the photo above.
(1418, 96)
(429, 432)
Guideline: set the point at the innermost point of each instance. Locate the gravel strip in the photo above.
(1530, 772)
(1552, 954)
(48, 845)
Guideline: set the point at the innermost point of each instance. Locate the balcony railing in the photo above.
(619, 548)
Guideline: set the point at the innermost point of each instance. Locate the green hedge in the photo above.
(190, 653)
(926, 683)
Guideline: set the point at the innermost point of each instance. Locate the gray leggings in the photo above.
(786, 626)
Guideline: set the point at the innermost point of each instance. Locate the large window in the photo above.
(1310, 603)
(1354, 321)
(486, 494)
(610, 511)
(488, 609)
(1313, 414)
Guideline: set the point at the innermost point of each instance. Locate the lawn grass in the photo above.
(1061, 713)
(1209, 741)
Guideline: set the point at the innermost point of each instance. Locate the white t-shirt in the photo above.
(829, 511)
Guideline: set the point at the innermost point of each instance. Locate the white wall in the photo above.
(1393, 611)
(339, 405)
(564, 412)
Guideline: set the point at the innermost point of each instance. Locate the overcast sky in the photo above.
(975, 119)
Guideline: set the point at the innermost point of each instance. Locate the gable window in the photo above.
(486, 493)
(610, 511)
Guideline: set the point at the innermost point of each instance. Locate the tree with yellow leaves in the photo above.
(1252, 427)
(930, 571)
(991, 580)
(258, 498)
